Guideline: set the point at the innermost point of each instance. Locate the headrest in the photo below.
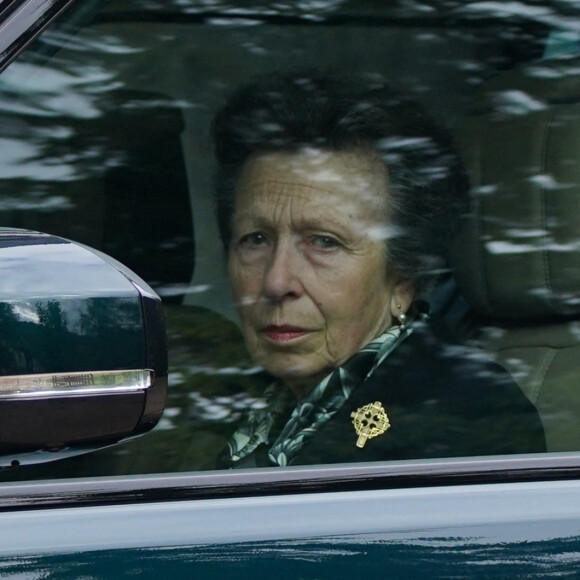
(519, 254)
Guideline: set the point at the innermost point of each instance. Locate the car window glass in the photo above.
(104, 139)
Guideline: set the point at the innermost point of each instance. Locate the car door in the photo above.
(105, 110)
(397, 519)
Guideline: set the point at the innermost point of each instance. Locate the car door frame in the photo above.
(382, 498)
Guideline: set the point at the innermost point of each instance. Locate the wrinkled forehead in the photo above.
(357, 176)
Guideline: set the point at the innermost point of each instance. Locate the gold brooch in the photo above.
(369, 421)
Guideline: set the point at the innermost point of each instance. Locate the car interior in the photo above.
(119, 158)
(518, 264)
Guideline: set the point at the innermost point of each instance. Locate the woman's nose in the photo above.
(282, 274)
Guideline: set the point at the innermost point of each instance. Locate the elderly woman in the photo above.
(336, 204)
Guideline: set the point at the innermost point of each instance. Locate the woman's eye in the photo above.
(253, 240)
(326, 243)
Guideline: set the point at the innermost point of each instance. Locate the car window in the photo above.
(105, 140)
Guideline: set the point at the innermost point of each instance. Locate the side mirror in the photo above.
(83, 357)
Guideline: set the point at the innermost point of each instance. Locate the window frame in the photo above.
(21, 21)
(276, 481)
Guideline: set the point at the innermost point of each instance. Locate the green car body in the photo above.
(104, 115)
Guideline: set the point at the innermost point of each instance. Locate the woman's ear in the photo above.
(401, 298)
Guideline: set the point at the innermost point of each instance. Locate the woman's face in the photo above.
(307, 261)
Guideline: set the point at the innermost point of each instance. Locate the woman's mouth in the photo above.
(284, 333)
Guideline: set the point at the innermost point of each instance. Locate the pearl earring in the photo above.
(401, 316)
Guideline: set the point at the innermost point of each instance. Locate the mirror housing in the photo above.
(83, 355)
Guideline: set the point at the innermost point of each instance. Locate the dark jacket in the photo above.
(441, 399)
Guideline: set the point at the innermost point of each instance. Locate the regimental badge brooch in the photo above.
(369, 421)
